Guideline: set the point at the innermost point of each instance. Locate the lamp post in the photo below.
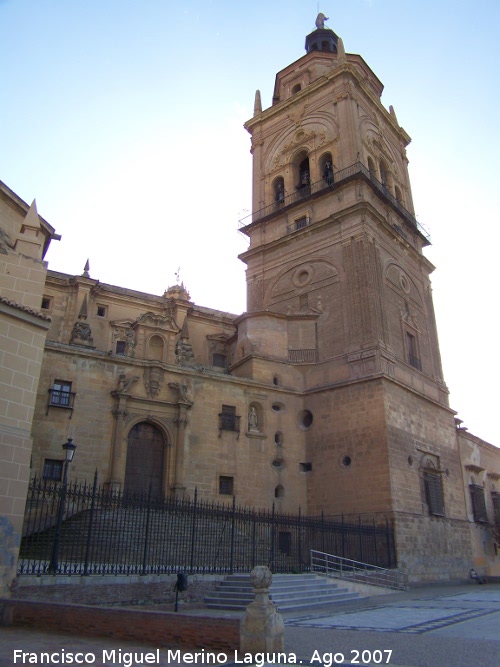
(69, 452)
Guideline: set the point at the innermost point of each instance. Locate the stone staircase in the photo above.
(290, 592)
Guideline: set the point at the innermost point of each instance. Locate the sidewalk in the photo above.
(438, 626)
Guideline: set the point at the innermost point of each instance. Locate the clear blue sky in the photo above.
(124, 120)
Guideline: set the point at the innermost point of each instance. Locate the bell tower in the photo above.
(339, 293)
(333, 234)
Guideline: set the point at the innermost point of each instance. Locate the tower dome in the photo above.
(322, 39)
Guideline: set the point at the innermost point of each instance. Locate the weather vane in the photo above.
(178, 275)
(320, 21)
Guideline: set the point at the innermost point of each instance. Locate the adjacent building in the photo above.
(24, 239)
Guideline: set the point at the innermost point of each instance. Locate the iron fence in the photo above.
(105, 532)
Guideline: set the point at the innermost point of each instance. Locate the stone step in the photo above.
(288, 592)
(305, 604)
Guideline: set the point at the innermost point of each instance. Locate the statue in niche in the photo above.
(253, 420)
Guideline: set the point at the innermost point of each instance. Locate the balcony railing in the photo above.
(61, 399)
(306, 356)
(331, 183)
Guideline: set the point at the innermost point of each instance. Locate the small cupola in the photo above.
(322, 39)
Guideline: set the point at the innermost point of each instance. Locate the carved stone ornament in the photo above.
(124, 382)
(184, 391)
(183, 349)
(153, 380)
(261, 577)
(130, 343)
(183, 352)
(81, 335)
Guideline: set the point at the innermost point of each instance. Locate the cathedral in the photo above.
(327, 394)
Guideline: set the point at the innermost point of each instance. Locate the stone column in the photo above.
(184, 391)
(119, 450)
(181, 422)
(262, 628)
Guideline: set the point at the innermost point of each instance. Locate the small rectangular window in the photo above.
(52, 470)
(120, 347)
(219, 360)
(46, 303)
(305, 467)
(101, 311)
(478, 503)
(302, 222)
(226, 485)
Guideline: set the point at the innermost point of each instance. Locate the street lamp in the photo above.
(69, 452)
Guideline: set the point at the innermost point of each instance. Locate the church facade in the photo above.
(327, 393)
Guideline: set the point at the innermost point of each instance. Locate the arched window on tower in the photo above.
(303, 175)
(326, 168)
(279, 190)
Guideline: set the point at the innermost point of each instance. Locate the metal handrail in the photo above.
(332, 182)
(352, 570)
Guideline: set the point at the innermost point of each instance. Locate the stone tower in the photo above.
(340, 305)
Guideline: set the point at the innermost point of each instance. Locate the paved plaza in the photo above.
(431, 627)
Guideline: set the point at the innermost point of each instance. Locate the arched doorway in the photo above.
(145, 452)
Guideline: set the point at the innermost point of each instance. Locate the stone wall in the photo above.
(157, 628)
(481, 473)
(142, 591)
(433, 549)
(24, 238)
(347, 448)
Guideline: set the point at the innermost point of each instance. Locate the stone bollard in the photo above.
(261, 628)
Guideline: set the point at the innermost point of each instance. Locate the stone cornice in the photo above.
(473, 468)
